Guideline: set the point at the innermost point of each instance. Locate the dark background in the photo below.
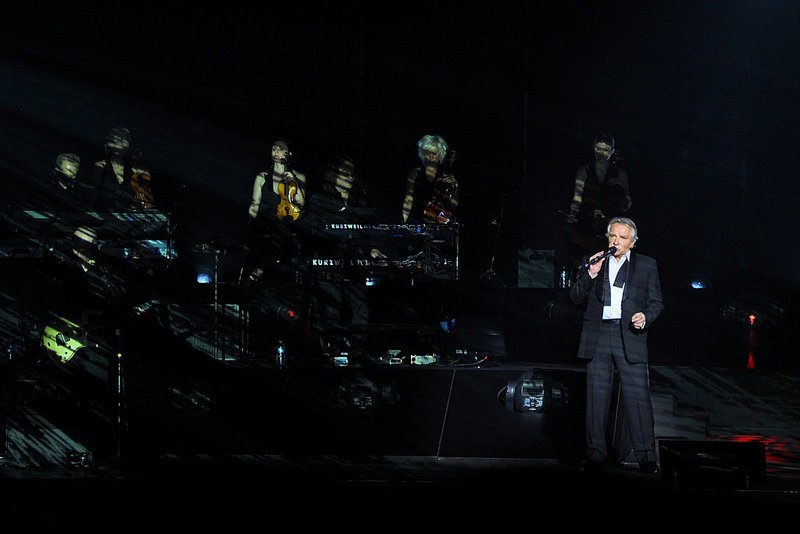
(701, 97)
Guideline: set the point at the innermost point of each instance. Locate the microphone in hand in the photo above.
(604, 255)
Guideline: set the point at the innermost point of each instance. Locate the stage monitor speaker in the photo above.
(715, 464)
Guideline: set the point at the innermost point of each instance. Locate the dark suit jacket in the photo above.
(642, 293)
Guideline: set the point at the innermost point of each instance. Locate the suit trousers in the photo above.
(634, 380)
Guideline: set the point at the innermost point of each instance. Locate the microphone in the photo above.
(605, 254)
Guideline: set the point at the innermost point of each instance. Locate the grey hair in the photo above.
(627, 222)
(431, 142)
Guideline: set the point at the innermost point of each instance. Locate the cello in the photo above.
(140, 183)
(445, 187)
(438, 209)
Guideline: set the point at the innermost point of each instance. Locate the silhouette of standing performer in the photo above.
(600, 194)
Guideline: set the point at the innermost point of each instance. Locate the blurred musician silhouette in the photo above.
(65, 173)
(600, 194)
(431, 193)
(64, 189)
(340, 301)
(121, 180)
(277, 202)
(60, 189)
(82, 278)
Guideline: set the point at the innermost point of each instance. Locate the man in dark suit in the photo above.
(622, 294)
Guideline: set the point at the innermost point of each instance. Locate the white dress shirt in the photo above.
(613, 309)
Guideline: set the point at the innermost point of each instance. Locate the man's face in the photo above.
(280, 151)
(620, 236)
(602, 151)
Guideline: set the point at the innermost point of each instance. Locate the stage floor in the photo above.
(195, 437)
(432, 439)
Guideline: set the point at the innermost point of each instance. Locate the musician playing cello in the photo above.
(277, 201)
(431, 194)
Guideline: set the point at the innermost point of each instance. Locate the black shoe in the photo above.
(591, 466)
(649, 468)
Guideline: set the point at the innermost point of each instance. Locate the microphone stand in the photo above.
(120, 419)
(490, 274)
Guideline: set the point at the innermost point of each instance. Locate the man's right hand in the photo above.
(594, 268)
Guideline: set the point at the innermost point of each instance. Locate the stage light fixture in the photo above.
(698, 281)
(204, 268)
(526, 393)
(534, 392)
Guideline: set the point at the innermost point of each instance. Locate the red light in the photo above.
(291, 313)
(752, 318)
(779, 450)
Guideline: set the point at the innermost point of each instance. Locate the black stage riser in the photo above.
(347, 411)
